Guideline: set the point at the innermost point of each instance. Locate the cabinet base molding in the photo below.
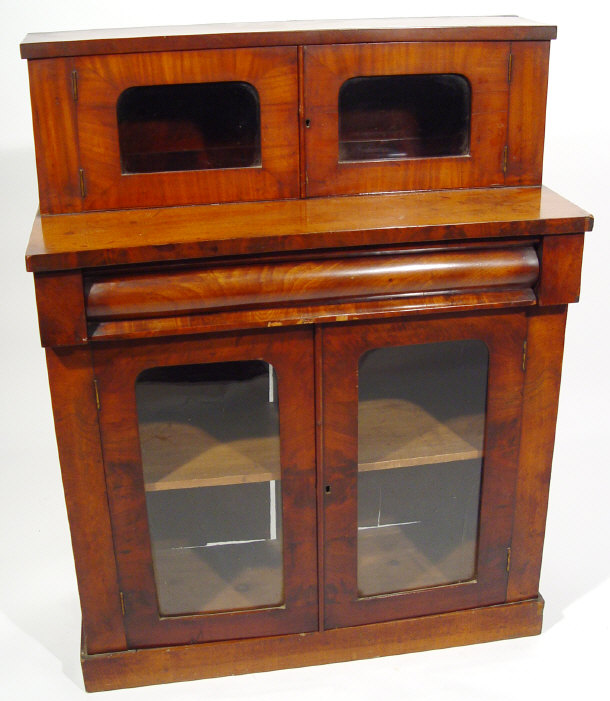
(132, 668)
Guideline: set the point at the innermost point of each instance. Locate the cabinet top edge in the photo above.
(126, 237)
(234, 35)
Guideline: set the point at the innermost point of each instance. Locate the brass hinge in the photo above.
(510, 67)
(81, 182)
(508, 559)
(505, 159)
(97, 394)
(75, 86)
(122, 598)
(524, 359)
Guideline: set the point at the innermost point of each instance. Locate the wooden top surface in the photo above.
(94, 239)
(109, 41)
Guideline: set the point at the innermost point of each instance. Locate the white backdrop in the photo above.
(39, 614)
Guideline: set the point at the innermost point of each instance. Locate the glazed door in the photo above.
(209, 455)
(420, 448)
(405, 116)
(187, 127)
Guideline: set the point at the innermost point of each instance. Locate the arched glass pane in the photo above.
(421, 421)
(404, 116)
(195, 126)
(209, 437)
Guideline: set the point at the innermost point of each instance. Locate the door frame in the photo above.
(272, 71)
(327, 68)
(343, 345)
(117, 367)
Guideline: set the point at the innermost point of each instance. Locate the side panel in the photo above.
(54, 120)
(78, 441)
(545, 337)
(527, 112)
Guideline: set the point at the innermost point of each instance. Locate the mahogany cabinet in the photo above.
(265, 113)
(310, 416)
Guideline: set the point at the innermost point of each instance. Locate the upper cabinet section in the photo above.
(265, 112)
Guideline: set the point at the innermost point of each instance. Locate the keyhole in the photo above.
(327, 489)
(307, 123)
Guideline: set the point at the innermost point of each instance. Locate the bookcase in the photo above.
(303, 299)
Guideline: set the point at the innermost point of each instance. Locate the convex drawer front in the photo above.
(329, 280)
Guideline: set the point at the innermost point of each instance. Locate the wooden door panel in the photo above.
(343, 346)
(117, 368)
(270, 73)
(483, 65)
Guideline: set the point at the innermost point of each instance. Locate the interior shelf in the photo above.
(396, 432)
(421, 406)
(188, 440)
(237, 446)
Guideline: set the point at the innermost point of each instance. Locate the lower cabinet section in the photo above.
(294, 490)
(277, 497)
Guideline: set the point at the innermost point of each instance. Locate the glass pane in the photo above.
(404, 116)
(421, 420)
(189, 127)
(209, 437)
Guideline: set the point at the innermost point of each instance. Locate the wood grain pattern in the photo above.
(54, 121)
(219, 578)
(232, 286)
(328, 67)
(171, 664)
(80, 456)
(527, 112)
(102, 79)
(189, 38)
(117, 366)
(181, 233)
(60, 300)
(545, 337)
(389, 560)
(315, 314)
(561, 263)
(344, 345)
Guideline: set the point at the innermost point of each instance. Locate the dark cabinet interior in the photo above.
(404, 116)
(189, 127)
(421, 422)
(209, 440)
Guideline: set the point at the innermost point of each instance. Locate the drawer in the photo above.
(325, 282)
